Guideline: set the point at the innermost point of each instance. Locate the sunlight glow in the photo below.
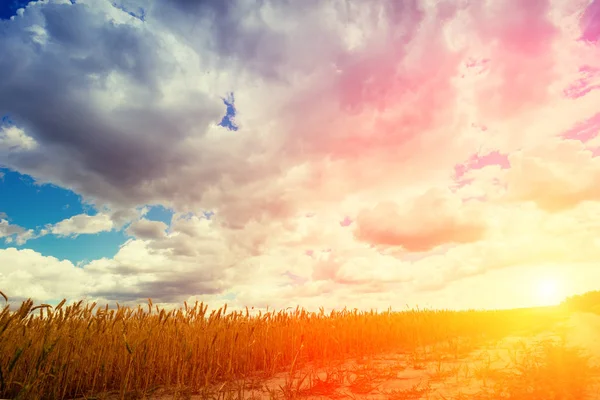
(548, 292)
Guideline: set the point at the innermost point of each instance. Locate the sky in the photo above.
(316, 153)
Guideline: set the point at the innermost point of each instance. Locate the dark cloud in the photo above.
(259, 47)
(121, 217)
(145, 229)
(169, 289)
(52, 87)
(140, 150)
(14, 232)
(7, 229)
(217, 26)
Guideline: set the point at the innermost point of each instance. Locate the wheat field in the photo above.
(81, 351)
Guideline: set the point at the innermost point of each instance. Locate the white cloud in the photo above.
(14, 139)
(556, 176)
(82, 224)
(167, 269)
(27, 274)
(14, 233)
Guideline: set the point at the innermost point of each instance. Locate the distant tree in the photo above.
(589, 301)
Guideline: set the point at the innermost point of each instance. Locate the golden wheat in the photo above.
(67, 352)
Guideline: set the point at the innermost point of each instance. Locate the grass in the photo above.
(82, 351)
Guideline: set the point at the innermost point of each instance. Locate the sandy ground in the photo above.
(452, 370)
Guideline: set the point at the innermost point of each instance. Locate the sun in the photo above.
(548, 292)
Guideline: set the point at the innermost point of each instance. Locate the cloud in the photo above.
(145, 229)
(169, 269)
(523, 236)
(431, 220)
(107, 148)
(123, 216)
(10, 232)
(14, 139)
(590, 22)
(556, 176)
(137, 123)
(283, 277)
(28, 274)
(81, 224)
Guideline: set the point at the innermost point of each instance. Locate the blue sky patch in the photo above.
(160, 213)
(33, 206)
(30, 205)
(228, 120)
(83, 248)
(8, 8)
(229, 296)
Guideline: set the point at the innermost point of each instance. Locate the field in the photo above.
(79, 351)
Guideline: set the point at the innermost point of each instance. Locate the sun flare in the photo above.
(548, 292)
